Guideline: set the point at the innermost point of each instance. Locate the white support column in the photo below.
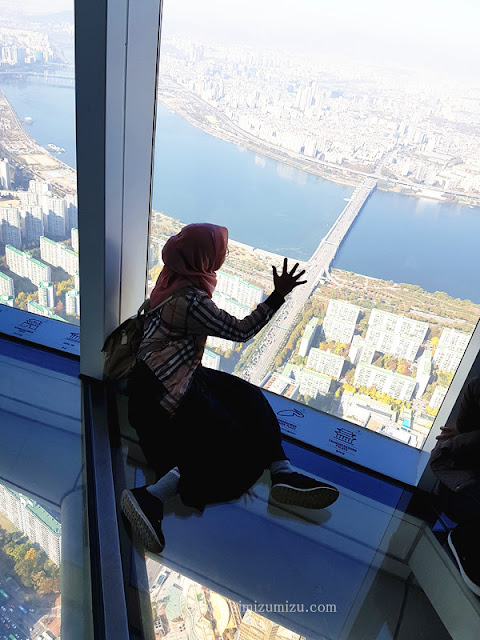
(116, 77)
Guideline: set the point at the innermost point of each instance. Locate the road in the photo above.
(318, 267)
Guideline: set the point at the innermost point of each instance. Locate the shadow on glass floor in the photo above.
(42, 500)
(362, 569)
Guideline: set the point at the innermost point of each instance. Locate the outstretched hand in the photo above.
(286, 282)
(448, 432)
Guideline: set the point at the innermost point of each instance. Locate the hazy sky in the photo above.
(442, 33)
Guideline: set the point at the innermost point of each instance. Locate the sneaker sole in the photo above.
(471, 585)
(316, 498)
(140, 523)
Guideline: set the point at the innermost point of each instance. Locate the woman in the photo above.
(208, 435)
(455, 461)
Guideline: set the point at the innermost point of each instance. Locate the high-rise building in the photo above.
(360, 351)
(36, 523)
(313, 383)
(6, 285)
(438, 396)
(340, 321)
(25, 266)
(58, 255)
(450, 349)
(393, 384)
(282, 385)
(39, 187)
(46, 294)
(72, 302)
(424, 371)
(11, 226)
(71, 203)
(40, 310)
(325, 362)
(239, 289)
(398, 335)
(7, 300)
(308, 337)
(233, 307)
(211, 360)
(4, 174)
(54, 216)
(32, 215)
(74, 237)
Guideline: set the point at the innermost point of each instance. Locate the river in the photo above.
(270, 205)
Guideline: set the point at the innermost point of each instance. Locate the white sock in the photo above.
(281, 466)
(167, 486)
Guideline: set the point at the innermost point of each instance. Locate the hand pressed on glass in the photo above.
(286, 282)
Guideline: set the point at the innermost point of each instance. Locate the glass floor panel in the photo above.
(361, 569)
(44, 579)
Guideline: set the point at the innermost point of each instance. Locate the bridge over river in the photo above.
(318, 267)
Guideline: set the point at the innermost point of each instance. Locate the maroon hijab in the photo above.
(191, 258)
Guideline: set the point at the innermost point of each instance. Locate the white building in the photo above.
(211, 360)
(438, 396)
(6, 285)
(40, 310)
(27, 267)
(313, 383)
(58, 255)
(72, 302)
(398, 335)
(308, 336)
(7, 300)
(360, 351)
(340, 321)
(54, 216)
(46, 294)
(32, 222)
(74, 237)
(325, 362)
(281, 385)
(393, 384)
(11, 226)
(39, 187)
(424, 371)
(361, 409)
(4, 174)
(450, 349)
(239, 289)
(36, 523)
(71, 204)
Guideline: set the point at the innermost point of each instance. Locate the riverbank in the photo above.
(28, 156)
(212, 121)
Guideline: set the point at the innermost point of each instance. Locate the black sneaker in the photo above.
(302, 491)
(467, 555)
(145, 514)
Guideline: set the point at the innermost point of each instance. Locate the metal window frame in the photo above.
(115, 146)
(115, 135)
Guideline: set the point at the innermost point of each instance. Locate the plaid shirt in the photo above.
(176, 332)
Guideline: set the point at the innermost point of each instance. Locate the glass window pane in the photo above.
(38, 189)
(331, 138)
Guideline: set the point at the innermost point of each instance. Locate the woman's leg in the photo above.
(463, 507)
(143, 506)
(469, 414)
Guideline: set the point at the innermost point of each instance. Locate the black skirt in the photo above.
(222, 437)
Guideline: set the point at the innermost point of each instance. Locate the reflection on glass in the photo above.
(38, 195)
(30, 601)
(184, 610)
(362, 167)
